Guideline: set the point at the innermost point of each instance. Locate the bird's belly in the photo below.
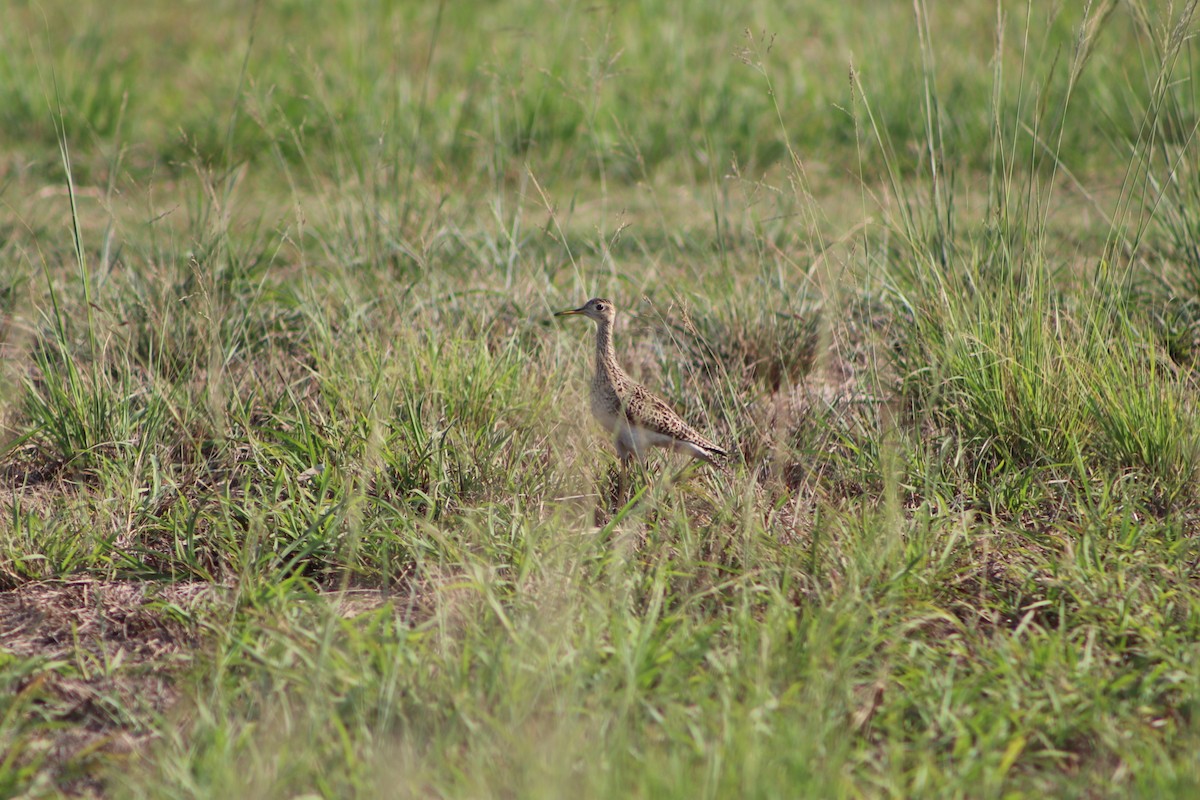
(639, 439)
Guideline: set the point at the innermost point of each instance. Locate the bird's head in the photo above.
(597, 308)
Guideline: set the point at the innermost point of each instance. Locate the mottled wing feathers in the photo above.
(645, 410)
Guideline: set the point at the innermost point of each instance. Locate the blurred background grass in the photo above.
(577, 90)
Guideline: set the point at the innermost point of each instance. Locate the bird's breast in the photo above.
(606, 406)
(605, 413)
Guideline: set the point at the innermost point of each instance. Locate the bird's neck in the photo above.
(606, 354)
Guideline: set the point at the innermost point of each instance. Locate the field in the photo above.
(299, 491)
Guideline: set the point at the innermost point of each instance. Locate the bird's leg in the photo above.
(606, 502)
(612, 494)
(626, 456)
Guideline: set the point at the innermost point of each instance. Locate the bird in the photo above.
(637, 419)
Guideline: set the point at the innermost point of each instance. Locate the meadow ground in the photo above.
(299, 495)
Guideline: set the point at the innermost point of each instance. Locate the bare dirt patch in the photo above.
(57, 619)
(108, 655)
(95, 664)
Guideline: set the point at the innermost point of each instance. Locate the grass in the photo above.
(300, 496)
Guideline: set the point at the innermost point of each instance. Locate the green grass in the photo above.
(299, 495)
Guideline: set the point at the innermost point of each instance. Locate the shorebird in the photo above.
(636, 418)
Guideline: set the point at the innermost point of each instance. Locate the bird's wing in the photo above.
(648, 411)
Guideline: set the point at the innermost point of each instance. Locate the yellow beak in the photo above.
(570, 312)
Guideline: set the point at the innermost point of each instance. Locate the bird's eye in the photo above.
(599, 306)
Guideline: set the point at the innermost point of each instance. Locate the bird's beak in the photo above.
(570, 312)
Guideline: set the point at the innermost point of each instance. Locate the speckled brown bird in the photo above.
(637, 419)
